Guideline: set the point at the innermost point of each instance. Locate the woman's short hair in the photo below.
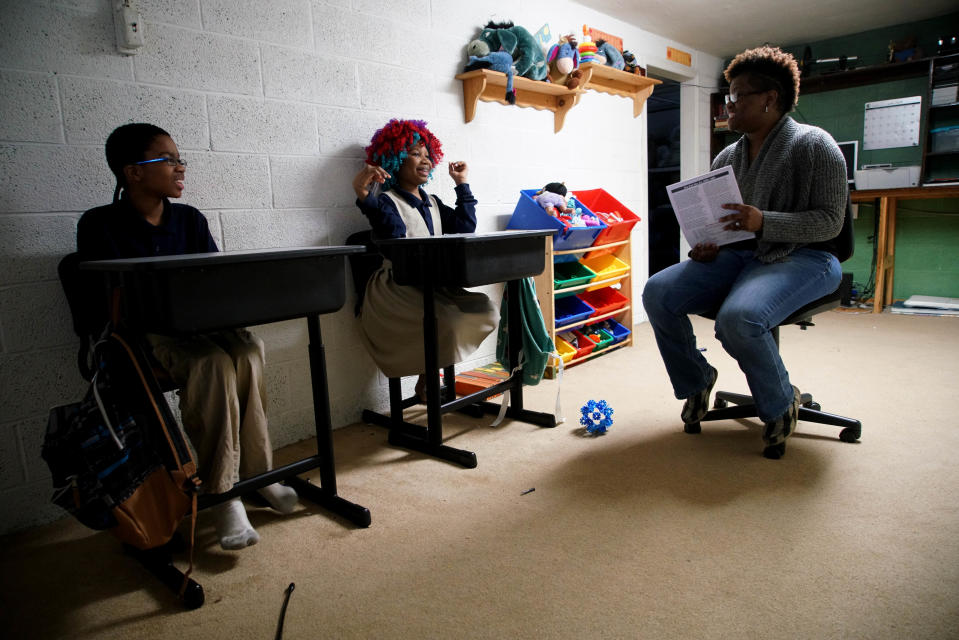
(390, 146)
(768, 68)
(128, 144)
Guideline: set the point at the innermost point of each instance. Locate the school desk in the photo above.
(462, 260)
(199, 293)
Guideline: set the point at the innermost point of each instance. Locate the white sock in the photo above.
(281, 497)
(233, 527)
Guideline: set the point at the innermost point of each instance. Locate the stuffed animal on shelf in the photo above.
(563, 59)
(613, 57)
(528, 58)
(497, 61)
(630, 64)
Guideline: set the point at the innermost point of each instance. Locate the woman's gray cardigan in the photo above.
(798, 181)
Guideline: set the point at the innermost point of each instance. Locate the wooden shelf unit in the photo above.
(545, 295)
(490, 86)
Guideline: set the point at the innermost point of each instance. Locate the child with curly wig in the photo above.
(400, 159)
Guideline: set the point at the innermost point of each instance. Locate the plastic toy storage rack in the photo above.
(545, 294)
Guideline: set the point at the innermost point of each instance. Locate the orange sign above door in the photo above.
(681, 57)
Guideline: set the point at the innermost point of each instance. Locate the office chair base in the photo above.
(735, 406)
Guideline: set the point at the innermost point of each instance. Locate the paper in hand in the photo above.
(698, 202)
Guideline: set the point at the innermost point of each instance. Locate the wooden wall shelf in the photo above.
(615, 82)
(490, 86)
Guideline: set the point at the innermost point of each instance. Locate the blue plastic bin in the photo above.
(529, 215)
(618, 331)
(571, 309)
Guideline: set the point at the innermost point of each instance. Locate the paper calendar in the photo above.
(892, 123)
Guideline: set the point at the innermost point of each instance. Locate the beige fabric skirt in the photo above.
(391, 323)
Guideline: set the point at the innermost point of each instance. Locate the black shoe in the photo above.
(697, 405)
(776, 432)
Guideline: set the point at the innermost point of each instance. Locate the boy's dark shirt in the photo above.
(118, 231)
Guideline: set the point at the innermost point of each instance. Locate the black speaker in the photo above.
(845, 290)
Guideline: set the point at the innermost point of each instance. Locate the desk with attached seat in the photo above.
(199, 293)
(462, 260)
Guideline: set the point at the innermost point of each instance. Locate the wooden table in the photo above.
(886, 238)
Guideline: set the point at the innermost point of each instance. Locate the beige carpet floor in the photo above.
(645, 532)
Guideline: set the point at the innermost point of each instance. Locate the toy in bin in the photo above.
(583, 345)
(553, 199)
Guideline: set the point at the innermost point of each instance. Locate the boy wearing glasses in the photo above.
(220, 375)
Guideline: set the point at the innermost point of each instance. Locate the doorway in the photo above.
(663, 135)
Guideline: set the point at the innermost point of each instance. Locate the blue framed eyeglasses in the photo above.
(170, 161)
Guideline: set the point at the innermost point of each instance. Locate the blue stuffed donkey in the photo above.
(614, 58)
(497, 61)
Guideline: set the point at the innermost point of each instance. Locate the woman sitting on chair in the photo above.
(792, 178)
(401, 157)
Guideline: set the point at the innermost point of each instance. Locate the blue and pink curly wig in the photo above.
(389, 146)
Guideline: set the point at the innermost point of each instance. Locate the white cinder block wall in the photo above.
(271, 103)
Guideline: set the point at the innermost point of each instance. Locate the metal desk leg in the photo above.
(325, 495)
(433, 443)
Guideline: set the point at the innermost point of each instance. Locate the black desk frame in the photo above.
(429, 439)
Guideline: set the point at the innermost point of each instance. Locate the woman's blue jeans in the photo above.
(750, 298)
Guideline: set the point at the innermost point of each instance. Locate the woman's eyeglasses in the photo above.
(733, 98)
(170, 161)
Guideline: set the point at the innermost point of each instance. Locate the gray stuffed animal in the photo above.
(528, 57)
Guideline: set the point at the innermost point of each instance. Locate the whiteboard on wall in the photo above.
(892, 123)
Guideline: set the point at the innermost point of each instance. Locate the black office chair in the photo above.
(87, 302)
(809, 410)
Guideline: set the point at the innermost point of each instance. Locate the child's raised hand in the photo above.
(365, 179)
(459, 171)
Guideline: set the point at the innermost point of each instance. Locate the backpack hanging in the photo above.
(118, 458)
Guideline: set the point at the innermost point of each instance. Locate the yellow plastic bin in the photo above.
(606, 267)
(565, 349)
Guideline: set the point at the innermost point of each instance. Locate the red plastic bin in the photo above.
(605, 300)
(583, 345)
(604, 206)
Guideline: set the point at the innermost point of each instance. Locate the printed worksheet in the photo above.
(698, 202)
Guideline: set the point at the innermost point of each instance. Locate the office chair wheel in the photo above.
(693, 428)
(815, 406)
(719, 403)
(850, 434)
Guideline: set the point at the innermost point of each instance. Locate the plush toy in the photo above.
(563, 59)
(630, 64)
(497, 61)
(552, 198)
(613, 57)
(528, 57)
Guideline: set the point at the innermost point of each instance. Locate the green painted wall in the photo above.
(927, 248)
(927, 231)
